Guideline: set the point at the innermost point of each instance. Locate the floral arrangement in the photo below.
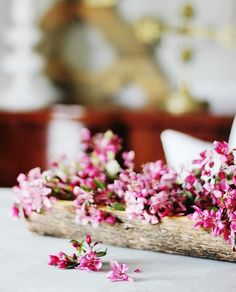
(104, 176)
(85, 258)
(210, 186)
(151, 194)
(88, 258)
(86, 182)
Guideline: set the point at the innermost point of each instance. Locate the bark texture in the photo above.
(174, 235)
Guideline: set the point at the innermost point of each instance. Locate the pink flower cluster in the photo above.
(86, 206)
(85, 181)
(151, 194)
(32, 193)
(211, 187)
(86, 258)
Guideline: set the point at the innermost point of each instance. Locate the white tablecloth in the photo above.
(24, 257)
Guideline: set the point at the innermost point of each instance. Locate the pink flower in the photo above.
(129, 159)
(54, 260)
(137, 270)
(62, 261)
(118, 272)
(90, 262)
(221, 147)
(15, 212)
(62, 264)
(110, 220)
(203, 218)
(106, 145)
(82, 196)
(190, 180)
(85, 135)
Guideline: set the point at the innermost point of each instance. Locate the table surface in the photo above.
(24, 257)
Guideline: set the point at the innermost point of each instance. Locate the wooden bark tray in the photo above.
(174, 235)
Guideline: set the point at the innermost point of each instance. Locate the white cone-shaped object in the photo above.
(232, 136)
(180, 149)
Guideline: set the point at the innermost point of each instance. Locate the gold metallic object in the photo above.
(186, 55)
(73, 60)
(181, 101)
(188, 11)
(100, 3)
(150, 30)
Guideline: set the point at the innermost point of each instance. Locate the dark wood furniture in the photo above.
(144, 130)
(23, 143)
(24, 136)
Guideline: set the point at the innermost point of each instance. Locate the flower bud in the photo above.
(88, 239)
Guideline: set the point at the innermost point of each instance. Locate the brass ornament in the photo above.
(187, 11)
(133, 62)
(148, 31)
(100, 3)
(186, 55)
(181, 101)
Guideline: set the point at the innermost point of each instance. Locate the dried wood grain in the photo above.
(174, 235)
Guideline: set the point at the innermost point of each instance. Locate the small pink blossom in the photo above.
(129, 159)
(221, 148)
(137, 270)
(90, 262)
(118, 272)
(85, 135)
(203, 218)
(54, 260)
(15, 212)
(110, 220)
(62, 264)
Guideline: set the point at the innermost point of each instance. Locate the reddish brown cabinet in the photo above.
(23, 140)
(24, 136)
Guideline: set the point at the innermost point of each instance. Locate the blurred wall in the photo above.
(211, 74)
(4, 21)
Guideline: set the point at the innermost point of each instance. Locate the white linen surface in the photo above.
(24, 257)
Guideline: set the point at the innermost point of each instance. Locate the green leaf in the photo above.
(85, 188)
(99, 184)
(213, 208)
(196, 199)
(118, 207)
(81, 247)
(71, 266)
(101, 253)
(189, 195)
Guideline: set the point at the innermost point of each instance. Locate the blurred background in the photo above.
(135, 66)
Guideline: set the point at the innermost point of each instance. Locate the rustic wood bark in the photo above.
(174, 235)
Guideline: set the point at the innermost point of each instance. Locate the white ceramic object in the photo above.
(232, 136)
(25, 87)
(180, 149)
